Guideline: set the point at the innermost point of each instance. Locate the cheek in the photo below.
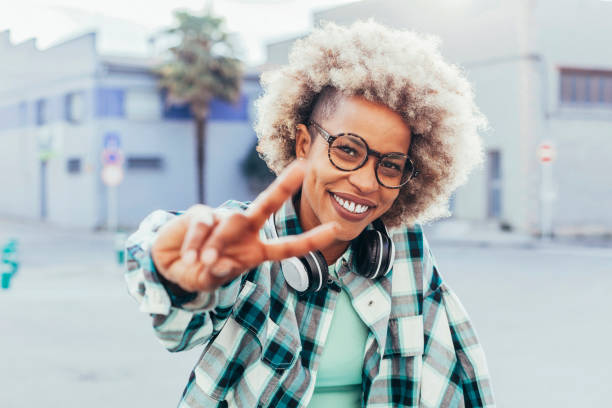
(389, 198)
(314, 185)
(320, 172)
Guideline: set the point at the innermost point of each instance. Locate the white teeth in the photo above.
(351, 206)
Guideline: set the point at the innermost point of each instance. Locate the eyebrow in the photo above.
(316, 125)
(356, 134)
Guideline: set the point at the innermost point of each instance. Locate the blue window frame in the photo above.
(219, 110)
(42, 112)
(584, 87)
(110, 103)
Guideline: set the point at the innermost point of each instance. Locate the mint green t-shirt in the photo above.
(338, 382)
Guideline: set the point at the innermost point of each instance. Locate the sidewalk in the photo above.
(478, 234)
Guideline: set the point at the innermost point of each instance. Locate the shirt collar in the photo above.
(287, 222)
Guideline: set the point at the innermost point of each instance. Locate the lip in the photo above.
(344, 213)
(355, 199)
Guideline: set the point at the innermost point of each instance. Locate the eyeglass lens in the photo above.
(348, 152)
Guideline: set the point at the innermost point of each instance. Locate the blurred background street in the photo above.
(72, 336)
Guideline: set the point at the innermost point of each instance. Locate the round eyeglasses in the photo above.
(349, 152)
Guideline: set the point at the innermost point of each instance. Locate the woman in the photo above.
(370, 131)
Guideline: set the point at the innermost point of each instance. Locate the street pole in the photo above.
(547, 198)
(112, 208)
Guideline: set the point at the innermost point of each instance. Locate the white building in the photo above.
(542, 71)
(60, 106)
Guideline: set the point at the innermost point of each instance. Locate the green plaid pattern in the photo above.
(263, 341)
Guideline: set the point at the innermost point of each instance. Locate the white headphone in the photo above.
(374, 253)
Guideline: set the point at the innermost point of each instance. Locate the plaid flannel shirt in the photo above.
(263, 341)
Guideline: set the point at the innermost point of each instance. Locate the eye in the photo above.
(348, 150)
(390, 165)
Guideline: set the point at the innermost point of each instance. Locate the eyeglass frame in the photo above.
(329, 138)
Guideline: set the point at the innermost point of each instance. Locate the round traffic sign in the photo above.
(546, 152)
(112, 175)
(112, 157)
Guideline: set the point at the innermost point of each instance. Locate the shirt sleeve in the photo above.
(455, 371)
(181, 319)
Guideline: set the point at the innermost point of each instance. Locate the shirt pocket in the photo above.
(402, 361)
(279, 347)
(404, 337)
(250, 355)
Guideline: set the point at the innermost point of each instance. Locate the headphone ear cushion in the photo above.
(373, 254)
(316, 269)
(388, 255)
(367, 250)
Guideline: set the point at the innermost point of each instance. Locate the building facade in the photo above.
(60, 106)
(542, 74)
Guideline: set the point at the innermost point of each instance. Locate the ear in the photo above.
(302, 141)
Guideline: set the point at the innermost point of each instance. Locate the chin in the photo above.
(349, 230)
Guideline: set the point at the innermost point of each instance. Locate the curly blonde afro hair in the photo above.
(400, 69)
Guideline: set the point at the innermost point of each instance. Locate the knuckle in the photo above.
(236, 217)
(285, 189)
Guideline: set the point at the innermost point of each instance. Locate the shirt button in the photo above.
(370, 303)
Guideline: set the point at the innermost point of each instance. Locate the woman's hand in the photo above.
(200, 249)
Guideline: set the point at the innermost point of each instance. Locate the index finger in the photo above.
(297, 245)
(273, 197)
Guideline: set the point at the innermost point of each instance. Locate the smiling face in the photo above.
(353, 199)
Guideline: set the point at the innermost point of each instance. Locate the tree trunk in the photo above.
(201, 156)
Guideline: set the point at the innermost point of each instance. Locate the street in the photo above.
(72, 336)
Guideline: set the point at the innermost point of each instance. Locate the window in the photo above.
(143, 104)
(74, 107)
(586, 87)
(109, 103)
(73, 165)
(494, 184)
(145, 163)
(42, 112)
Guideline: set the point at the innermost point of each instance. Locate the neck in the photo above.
(308, 221)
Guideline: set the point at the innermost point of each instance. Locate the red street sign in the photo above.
(546, 152)
(112, 157)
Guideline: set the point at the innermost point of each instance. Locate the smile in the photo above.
(350, 206)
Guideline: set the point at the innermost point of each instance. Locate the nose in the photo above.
(364, 178)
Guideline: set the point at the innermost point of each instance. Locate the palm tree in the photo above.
(202, 67)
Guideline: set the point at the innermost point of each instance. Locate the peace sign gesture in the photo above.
(200, 249)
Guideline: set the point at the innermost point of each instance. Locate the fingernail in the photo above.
(209, 256)
(189, 257)
(206, 219)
